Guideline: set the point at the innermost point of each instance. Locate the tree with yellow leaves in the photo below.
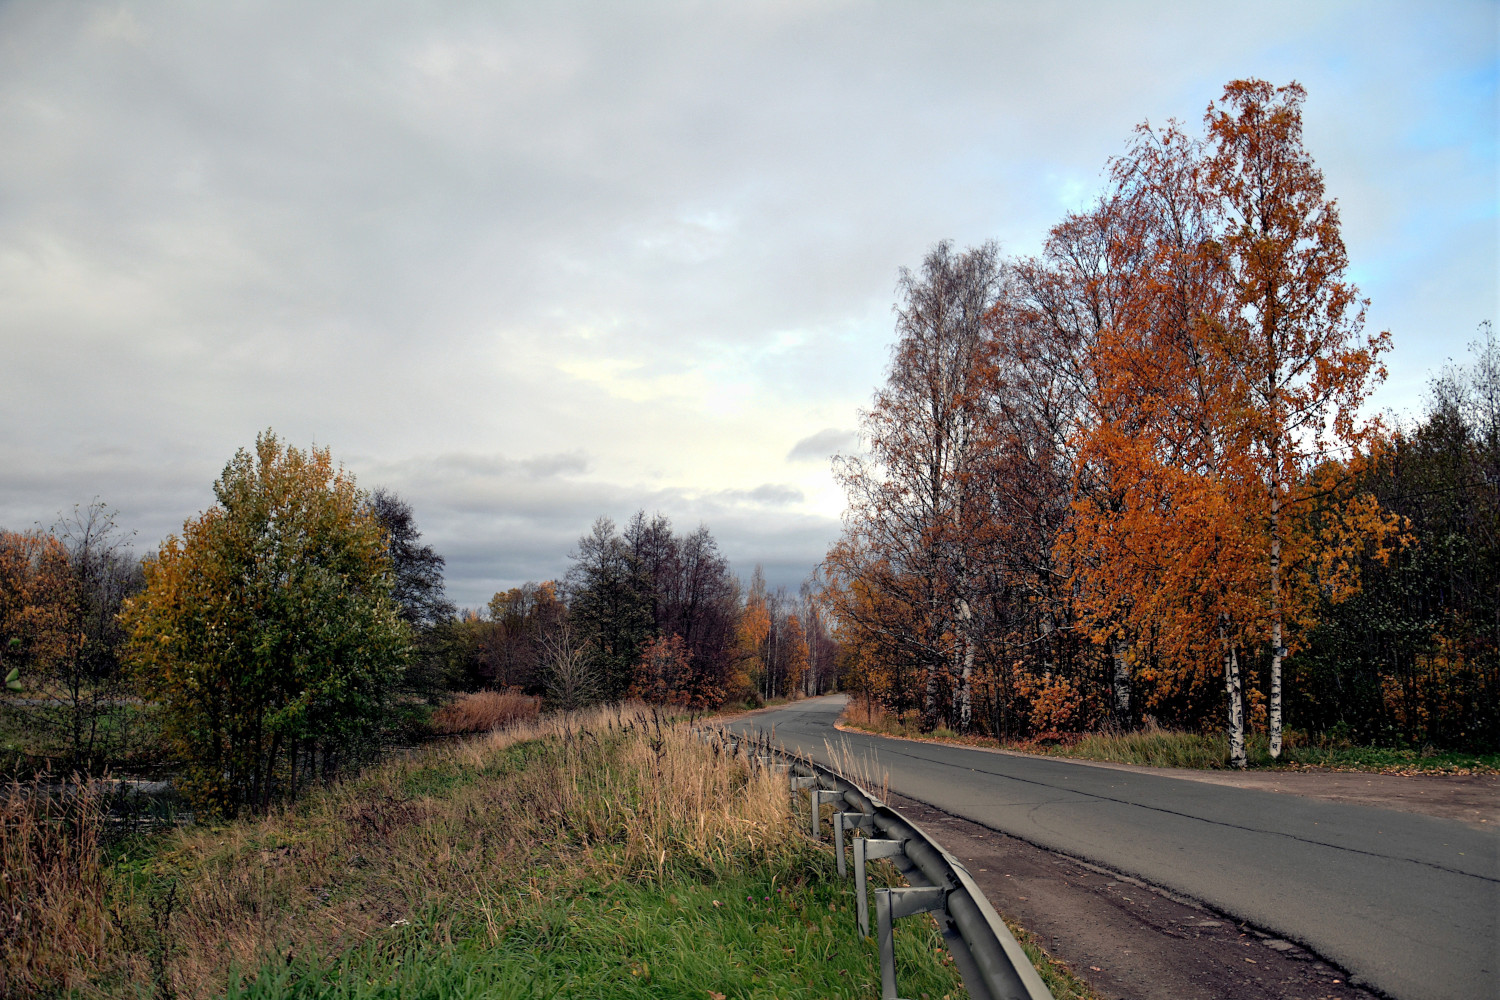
(267, 629)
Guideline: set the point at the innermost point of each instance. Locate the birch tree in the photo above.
(1293, 328)
(912, 500)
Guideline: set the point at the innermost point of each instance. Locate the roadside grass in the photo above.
(481, 711)
(746, 935)
(52, 886)
(609, 853)
(1152, 746)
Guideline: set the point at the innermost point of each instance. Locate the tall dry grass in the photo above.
(52, 884)
(481, 711)
(464, 836)
(861, 767)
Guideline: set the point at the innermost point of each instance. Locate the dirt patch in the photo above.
(1469, 798)
(1127, 939)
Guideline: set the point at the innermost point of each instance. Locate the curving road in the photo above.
(1409, 903)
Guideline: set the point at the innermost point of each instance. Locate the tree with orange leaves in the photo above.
(1293, 326)
(1233, 374)
(796, 654)
(35, 602)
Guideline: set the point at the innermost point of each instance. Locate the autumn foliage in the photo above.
(1128, 476)
(267, 630)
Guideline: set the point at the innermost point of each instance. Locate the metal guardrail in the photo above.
(991, 961)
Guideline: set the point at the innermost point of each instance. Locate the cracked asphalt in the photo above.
(1409, 904)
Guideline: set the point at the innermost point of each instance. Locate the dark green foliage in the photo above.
(268, 632)
(1415, 656)
(416, 570)
(610, 606)
(625, 590)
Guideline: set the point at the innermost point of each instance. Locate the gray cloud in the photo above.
(534, 263)
(822, 446)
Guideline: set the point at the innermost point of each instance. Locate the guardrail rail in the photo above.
(991, 961)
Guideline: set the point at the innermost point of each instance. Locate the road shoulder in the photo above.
(1126, 938)
(1473, 799)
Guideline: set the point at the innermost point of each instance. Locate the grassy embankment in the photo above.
(1156, 747)
(607, 854)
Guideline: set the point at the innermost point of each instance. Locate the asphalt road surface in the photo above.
(1408, 903)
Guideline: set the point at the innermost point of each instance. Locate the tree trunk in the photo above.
(929, 696)
(1236, 697)
(1122, 681)
(1276, 647)
(963, 697)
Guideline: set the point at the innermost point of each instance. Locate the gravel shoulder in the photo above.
(1127, 939)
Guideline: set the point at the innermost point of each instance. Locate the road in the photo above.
(1408, 903)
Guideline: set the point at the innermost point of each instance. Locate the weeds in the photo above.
(588, 854)
(482, 711)
(52, 885)
(1061, 981)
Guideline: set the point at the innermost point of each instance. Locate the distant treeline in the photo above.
(644, 613)
(299, 624)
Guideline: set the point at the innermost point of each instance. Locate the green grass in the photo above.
(35, 737)
(1388, 759)
(609, 855)
(1169, 748)
(786, 930)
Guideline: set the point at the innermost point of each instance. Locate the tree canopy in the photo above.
(268, 629)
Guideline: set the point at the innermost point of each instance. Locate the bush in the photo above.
(482, 711)
(268, 631)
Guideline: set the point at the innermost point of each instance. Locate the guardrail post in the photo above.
(891, 905)
(847, 821)
(819, 796)
(867, 849)
(887, 943)
(799, 782)
(991, 961)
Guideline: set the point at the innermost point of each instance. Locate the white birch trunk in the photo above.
(966, 670)
(1236, 698)
(1276, 637)
(1122, 679)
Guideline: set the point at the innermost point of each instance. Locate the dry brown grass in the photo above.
(862, 768)
(465, 836)
(52, 885)
(482, 711)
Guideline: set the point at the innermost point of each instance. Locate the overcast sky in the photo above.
(530, 263)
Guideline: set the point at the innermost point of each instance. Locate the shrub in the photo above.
(268, 632)
(481, 711)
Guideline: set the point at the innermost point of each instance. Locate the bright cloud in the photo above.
(530, 264)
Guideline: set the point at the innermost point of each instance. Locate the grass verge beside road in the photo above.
(1155, 747)
(604, 854)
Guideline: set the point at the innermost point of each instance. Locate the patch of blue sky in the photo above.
(1469, 100)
